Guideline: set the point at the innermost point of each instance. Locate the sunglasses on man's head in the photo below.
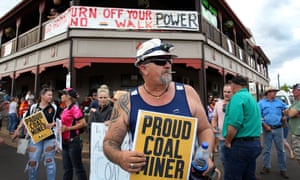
(163, 47)
(158, 61)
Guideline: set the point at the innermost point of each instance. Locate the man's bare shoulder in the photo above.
(191, 92)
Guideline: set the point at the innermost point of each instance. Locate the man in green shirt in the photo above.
(241, 129)
(294, 123)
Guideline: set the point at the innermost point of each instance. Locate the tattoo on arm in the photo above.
(123, 103)
(115, 115)
(110, 154)
(114, 145)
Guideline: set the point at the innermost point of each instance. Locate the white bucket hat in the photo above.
(269, 89)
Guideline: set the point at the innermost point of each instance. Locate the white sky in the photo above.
(275, 27)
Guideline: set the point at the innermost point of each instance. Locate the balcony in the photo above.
(231, 47)
(33, 37)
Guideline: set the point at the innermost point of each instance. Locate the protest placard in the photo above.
(167, 141)
(101, 167)
(36, 126)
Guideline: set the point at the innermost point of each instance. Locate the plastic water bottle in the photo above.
(200, 161)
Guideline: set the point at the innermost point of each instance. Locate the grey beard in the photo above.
(166, 79)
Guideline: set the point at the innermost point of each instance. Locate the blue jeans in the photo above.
(285, 131)
(240, 160)
(12, 122)
(221, 150)
(277, 136)
(45, 148)
(72, 159)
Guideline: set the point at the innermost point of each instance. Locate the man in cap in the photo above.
(159, 94)
(294, 123)
(241, 129)
(272, 114)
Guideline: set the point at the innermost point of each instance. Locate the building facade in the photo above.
(94, 42)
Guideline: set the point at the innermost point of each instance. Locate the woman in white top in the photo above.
(12, 115)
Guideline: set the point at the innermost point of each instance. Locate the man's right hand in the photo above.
(132, 161)
(15, 135)
(267, 128)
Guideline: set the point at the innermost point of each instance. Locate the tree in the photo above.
(285, 87)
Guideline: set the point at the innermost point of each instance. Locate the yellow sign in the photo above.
(36, 126)
(167, 141)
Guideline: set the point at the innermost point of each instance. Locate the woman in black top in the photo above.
(45, 148)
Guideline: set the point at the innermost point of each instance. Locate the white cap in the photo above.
(152, 48)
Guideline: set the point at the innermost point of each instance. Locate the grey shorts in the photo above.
(296, 146)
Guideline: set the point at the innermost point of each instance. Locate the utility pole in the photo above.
(278, 81)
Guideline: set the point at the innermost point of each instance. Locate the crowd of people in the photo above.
(275, 117)
(233, 125)
(72, 113)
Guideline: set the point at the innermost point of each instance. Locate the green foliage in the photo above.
(285, 88)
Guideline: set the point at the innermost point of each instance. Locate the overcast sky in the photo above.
(275, 26)
(276, 29)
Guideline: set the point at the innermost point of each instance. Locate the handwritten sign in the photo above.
(167, 141)
(121, 18)
(7, 48)
(101, 167)
(36, 126)
(58, 25)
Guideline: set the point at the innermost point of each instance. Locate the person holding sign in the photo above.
(47, 147)
(158, 94)
(72, 120)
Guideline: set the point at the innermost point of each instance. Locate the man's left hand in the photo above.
(210, 166)
(227, 144)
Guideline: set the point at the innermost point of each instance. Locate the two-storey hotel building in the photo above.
(90, 43)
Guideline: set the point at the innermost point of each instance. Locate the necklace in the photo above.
(157, 97)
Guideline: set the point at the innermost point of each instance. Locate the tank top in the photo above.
(178, 106)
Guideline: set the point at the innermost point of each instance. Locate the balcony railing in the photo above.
(31, 37)
(28, 38)
(230, 46)
(25, 40)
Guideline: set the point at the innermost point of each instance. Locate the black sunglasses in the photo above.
(159, 61)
